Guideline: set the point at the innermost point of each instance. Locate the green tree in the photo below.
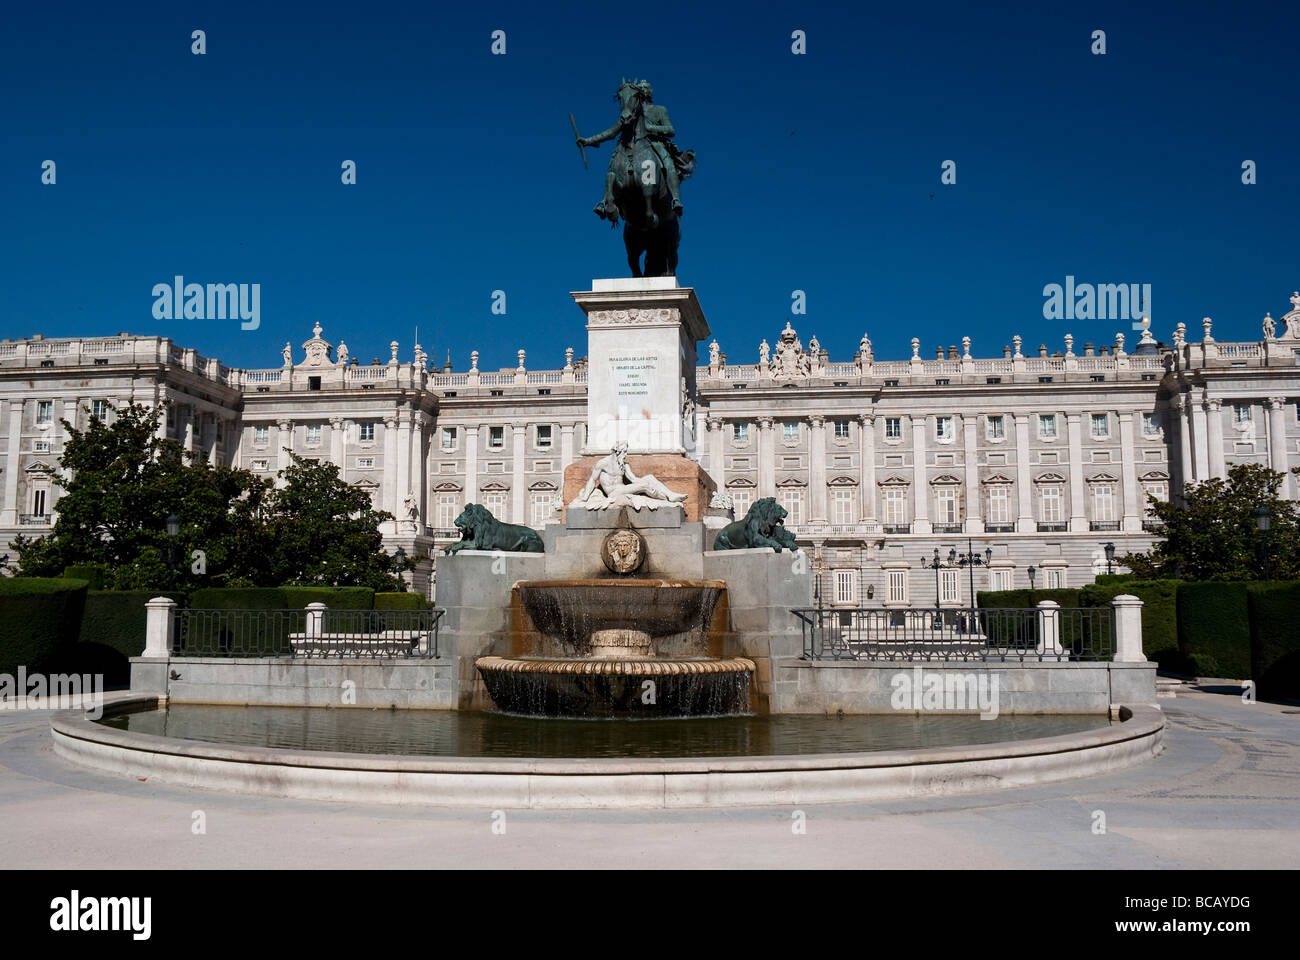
(120, 482)
(1212, 534)
(326, 531)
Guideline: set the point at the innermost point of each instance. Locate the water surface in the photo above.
(450, 733)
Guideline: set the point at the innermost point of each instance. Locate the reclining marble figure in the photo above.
(613, 484)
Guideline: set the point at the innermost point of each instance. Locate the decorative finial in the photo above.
(916, 348)
(1069, 344)
(1206, 323)
(316, 330)
(965, 348)
(1016, 341)
(568, 358)
(521, 360)
(473, 361)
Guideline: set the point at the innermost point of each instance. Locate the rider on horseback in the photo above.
(677, 165)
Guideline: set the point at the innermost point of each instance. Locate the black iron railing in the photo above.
(1022, 633)
(324, 634)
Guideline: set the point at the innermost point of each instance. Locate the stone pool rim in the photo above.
(504, 782)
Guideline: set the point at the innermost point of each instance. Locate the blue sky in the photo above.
(818, 172)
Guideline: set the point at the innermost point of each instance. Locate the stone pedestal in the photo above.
(676, 472)
(641, 341)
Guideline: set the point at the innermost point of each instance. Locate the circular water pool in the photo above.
(450, 733)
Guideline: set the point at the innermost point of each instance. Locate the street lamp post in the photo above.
(970, 559)
(173, 531)
(1032, 573)
(936, 564)
(1264, 523)
(1110, 558)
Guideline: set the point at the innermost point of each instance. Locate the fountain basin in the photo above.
(617, 687)
(572, 612)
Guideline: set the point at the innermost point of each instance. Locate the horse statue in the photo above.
(642, 185)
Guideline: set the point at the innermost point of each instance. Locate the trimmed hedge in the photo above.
(40, 618)
(1159, 616)
(1066, 597)
(93, 573)
(238, 598)
(1022, 634)
(336, 598)
(400, 601)
(116, 618)
(1214, 629)
(1274, 638)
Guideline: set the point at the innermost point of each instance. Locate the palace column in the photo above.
(766, 459)
(391, 476)
(517, 475)
(189, 427)
(817, 467)
(867, 448)
(717, 462)
(402, 482)
(1214, 436)
(421, 435)
(9, 514)
(1078, 516)
(974, 520)
(566, 445)
(1133, 502)
(1277, 442)
(336, 444)
(1179, 405)
(283, 438)
(920, 489)
(1200, 445)
(1024, 498)
(471, 465)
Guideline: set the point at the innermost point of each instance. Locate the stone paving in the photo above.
(1225, 793)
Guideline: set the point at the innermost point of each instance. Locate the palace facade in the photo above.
(1040, 457)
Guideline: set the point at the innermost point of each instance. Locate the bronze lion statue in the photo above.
(762, 527)
(479, 530)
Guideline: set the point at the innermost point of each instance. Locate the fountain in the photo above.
(617, 647)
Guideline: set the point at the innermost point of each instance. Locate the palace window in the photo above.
(1100, 425)
(1155, 488)
(895, 506)
(740, 433)
(842, 504)
(996, 427)
(542, 508)
(943, 428)
(999, 503)
(893, 428)
(949, 586)
(792, 501)
(1055, 578)
(1103, 502)
(999, 579)
(367, 432)
(1050, 503)
(1241, 413)
(945, 504)
(38, 501)
(1047, 425)
(365, 463)
(790, 430)
(448, 508)
(496, 437)
(841, 429)
(261, 434)
(898, 586)
(495, 501)
(544, 435)
(313, 433)
(44, 411)
(740, 502)
(890, 383)
(449, 438)
(259, 464)
(845, 586)
(99, 409)
(1150, 425)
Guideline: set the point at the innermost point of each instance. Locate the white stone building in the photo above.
(1041, 458)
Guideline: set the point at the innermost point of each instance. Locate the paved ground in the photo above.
(1225, 793)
